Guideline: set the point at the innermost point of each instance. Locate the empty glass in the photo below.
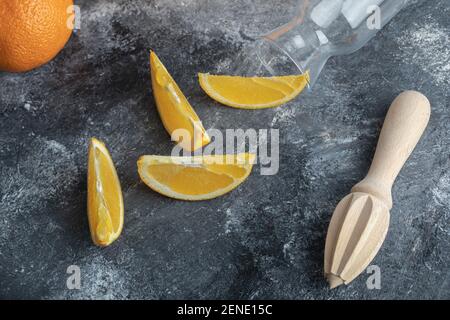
(320, 29)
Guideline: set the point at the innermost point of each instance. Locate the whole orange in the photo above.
(33, 32)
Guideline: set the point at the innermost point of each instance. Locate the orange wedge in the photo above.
(105, 202)
(174, 109)
(253, 92)
(195, 178)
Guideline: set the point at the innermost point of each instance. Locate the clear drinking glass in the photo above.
(320, 29)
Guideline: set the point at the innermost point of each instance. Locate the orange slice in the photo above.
(174, 109)
(195, 178)
(253, 92)
(105, 202)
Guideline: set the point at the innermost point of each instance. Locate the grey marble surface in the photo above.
(263, 240)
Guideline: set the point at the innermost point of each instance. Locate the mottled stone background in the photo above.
(263, 240)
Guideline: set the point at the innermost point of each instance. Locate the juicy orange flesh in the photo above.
(197, 178)
(110, 189)
(104, 192)
(173, 107)
(255, 90)
(233, 170)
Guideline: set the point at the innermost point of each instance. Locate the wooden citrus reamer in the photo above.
(360, 221)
